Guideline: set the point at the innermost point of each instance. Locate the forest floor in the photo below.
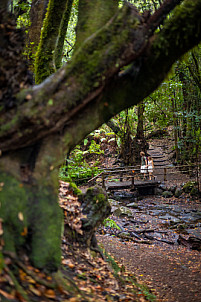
(147, 244)
(150, 264)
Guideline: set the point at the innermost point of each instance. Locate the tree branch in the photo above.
(90, 89)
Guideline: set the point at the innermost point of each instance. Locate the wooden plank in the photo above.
(128, 184)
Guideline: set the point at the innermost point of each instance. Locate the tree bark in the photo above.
(97, 97)
(62, 34)
(44, 63)
(92, 17)
(37, 14)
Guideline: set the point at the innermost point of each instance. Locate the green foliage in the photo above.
(111, 223)
(158, 107)
(78, 169)
(23, 19)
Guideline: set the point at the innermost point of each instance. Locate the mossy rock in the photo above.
(178, 192)
(187, 188)
(123, 211)
(194, 191)
(167, 194)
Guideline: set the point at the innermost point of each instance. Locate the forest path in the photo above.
(161, 150)
(174, 275)
(172, 271)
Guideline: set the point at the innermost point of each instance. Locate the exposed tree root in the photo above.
(32, 281)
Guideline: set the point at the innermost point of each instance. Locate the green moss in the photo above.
(100, 197)
(189, 186)
(10, 124)
(13, 211)
(75, 189)
(44, 66)
(31, 218)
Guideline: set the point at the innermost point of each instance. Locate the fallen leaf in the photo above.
(49, 293)
(6, 295)
(35, 291)
(25, 231)
(20, 216)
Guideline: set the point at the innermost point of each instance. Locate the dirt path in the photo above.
(172, 271)
(173, 274)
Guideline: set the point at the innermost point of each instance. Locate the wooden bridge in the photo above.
(119, 178)
(125, 178)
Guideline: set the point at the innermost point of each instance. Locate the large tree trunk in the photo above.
(32, 221)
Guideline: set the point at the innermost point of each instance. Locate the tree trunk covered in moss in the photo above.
(62, 34)
(92, 16)
(51, 118)
(44, 64)
(37, 14)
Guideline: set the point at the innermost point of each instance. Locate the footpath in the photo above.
(155, 223)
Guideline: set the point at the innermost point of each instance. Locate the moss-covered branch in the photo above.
(92, 16)
(90, 90)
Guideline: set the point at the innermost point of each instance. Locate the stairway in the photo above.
(164, 170)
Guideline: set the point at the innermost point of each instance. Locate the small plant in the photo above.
(77, 169)
(111, 223)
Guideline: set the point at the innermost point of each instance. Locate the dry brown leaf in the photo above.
(6, 295)
(35, 291)
(25, 231)
(30, 280)
(74, 299)
(49, 293)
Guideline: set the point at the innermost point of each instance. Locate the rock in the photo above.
(189, 186)
(163, 187)
(178, 192)
(172, 189)
(113, 202)
(133, 205)
(124, 235)
(167, 194)
(113, 209)
(159, 191)
(194, 191)
(122, 211)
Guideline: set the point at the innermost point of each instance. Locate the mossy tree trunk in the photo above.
(58, 54)
(37, 14)
(45, 64)
(92, 16)
(47, 120)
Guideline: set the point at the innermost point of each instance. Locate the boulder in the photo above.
(178, 192)
(167, 194)
(189, 186)
(122, 211)
(133, 205)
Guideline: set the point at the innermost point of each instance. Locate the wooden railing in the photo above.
(133, 173)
